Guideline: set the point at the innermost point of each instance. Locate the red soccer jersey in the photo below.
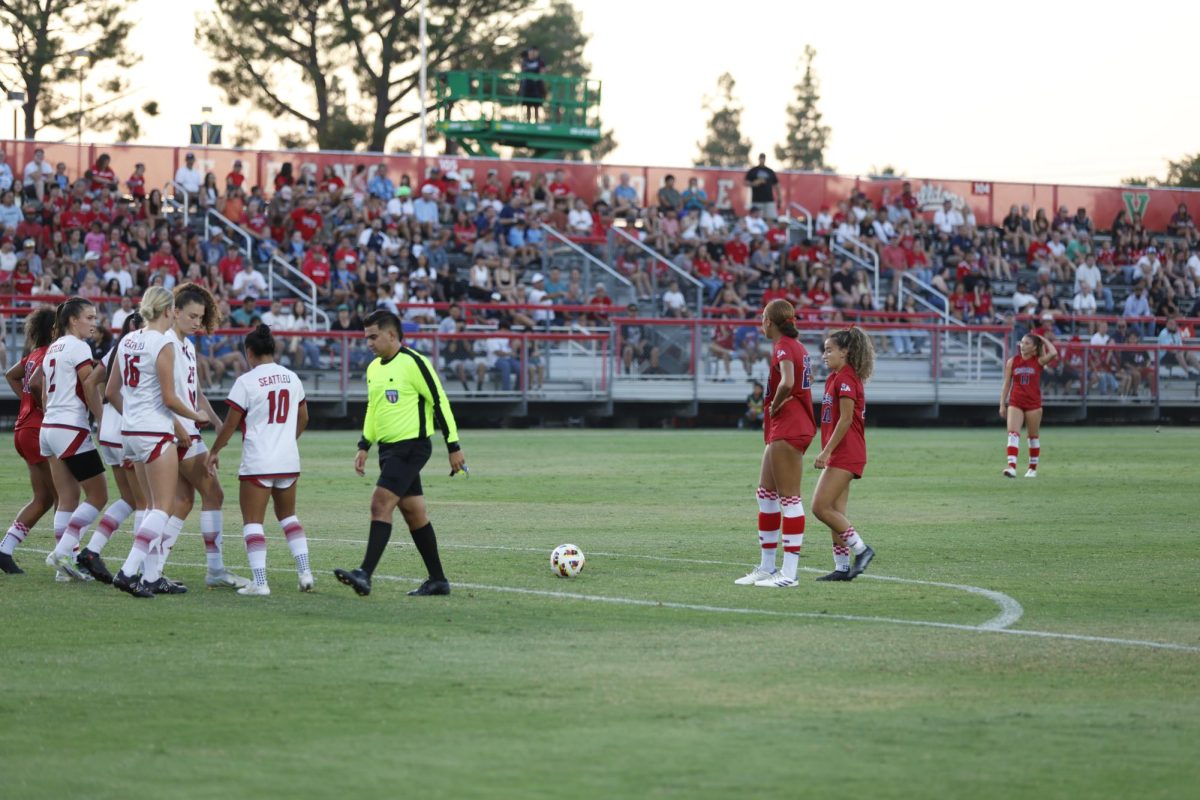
(851, 452)
(1026, 390)
(30, 414)
(795, 420)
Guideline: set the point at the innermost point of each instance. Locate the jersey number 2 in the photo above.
(278, 407)
(50, 376)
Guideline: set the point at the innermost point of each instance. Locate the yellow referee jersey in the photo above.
(405, 401)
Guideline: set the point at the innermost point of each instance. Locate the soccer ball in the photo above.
(566, 561)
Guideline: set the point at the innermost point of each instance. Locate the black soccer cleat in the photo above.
(356, 579)
(837, 575)
(165, 586)
(133, 586)
(8, 566)
(92, 564)
(431, 587)
(860, 562)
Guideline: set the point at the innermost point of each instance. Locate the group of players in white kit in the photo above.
(144, 395)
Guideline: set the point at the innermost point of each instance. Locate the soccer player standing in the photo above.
(850, 358)
(404, 401)
(788, 427)
(39, 334)
(268, 404)
(1021, 399)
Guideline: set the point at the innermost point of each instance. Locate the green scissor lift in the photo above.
(482, 109)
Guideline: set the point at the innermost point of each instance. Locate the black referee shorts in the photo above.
(400, 466)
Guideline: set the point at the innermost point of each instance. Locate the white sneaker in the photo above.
(756, 575)
(225, 580)
(306, 581)
(778, 581)
(1011, 472)
(255, 590)
(64, 565)
(1032, 473)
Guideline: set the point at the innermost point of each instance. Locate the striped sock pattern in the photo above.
(83, 516)
(769, 524)
(1035, 451)
(61, 519)
(211, 526)
(1014, 446)
(145, 540)
(853, 540)
(256, 551)
(16, 534)
(793, 534)
(297, 542)
(114, 515)
(841, 557)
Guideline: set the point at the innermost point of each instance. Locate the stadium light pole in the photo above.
(423, 78)
(82, 52)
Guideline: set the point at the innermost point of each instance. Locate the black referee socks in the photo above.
(381, 532)
(426, 544)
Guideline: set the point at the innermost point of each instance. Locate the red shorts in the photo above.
(27, 442)
(1025, 407)
(801, 443)
(854, 468)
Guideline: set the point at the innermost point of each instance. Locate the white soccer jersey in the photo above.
(64, 391)
(110, 423)
(143, 409)
(185, 378)
(270, 397)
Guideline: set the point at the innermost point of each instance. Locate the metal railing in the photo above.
(615, 233)
(171, 196)
(588, 263)
(862, 255)
(804, 221)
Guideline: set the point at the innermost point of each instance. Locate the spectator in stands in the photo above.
(948, 219)
(11, 215)
(1136, 305)
(1022, 301)
(1135, 367)
(625, 197)
(1178, 363)
(188, 178)
(580, 221)
(502, 355)
(462, 356)
(1182, 225)
(1087, 272)
(426, 211)
(249, 283)
(764, 188)
(246, 315)
(380, 185)
(304, 352)
(674, 303)
(670, 202)
(1084, 302)
(37, 176)
(6, 173)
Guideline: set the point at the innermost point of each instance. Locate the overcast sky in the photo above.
(1044, 91)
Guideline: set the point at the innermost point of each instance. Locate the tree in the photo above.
(1147, 180)
(806, 139)
(1184, 173)
(266, 50)
(57, 44)
(725, 146)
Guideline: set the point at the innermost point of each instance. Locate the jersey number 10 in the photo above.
(278, 407)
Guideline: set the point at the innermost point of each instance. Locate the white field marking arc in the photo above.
(769, 613)
(1010, 609)
(630, 601)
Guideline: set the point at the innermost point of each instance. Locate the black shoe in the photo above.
(431, 587)
(8, 566)
(356, 579)
(837, 575)
(131, 585)
(92, 564)
(860, 562)
(165, 586)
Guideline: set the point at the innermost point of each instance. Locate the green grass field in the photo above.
(695, 688)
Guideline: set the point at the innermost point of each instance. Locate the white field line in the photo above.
(1010, 609)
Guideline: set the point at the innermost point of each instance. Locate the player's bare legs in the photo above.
(193, 478)
(768, 524)
(1033, 427)
(158, 480)
(44, 497)
(830, 500)
(120, 510)
(1015, 419)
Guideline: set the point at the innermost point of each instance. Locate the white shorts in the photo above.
(142, 448)
(64, 441)
(113, 455)
(196, 448)
(271, 481)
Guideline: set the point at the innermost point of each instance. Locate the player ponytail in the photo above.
(156, 302)
(782, 315)
(132, 323)
(860, 353)
(68, 310)
(39, 329)
(260, 341)
(188, 293)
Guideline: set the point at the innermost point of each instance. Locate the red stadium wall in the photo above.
(990, 201)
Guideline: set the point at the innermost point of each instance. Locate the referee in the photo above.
(404, 401)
